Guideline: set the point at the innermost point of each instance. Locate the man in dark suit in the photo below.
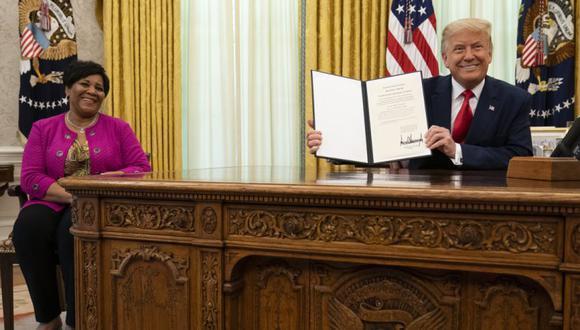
(477, 122)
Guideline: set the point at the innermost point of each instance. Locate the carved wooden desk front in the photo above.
(262, 248)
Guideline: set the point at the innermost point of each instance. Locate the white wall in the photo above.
(90, 47)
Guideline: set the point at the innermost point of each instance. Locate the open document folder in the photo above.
(370, 122)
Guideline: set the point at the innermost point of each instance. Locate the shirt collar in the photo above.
(457, 89)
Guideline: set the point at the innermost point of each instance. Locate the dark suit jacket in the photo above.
(500, 128)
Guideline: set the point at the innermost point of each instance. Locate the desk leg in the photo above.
(87, 284)
(210, 284)
(572, 302)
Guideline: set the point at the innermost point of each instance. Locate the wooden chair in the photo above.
(7, 261)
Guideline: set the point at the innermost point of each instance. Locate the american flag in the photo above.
(412, 38)
(535, 50)
(29, 43)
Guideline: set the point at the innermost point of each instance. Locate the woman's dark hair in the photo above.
(82, 69)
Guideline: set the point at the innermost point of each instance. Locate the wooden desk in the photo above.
(262, 248)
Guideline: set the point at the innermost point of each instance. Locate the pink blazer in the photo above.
(112, 143)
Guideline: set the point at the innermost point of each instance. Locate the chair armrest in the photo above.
(16, 191)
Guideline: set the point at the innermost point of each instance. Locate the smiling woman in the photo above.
(79, 142)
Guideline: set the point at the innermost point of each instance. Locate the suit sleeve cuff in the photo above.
(458, 160)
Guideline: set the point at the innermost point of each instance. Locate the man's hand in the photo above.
(439, 138)
(313, 138)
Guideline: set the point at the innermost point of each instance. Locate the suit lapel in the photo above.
(441, 103)
(486, 113)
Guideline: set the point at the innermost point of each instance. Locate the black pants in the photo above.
(42, 240)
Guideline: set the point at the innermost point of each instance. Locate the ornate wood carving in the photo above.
(90, 284)
(150, 283)
(575, 303)
(460, 234)
(74, 208)
(576, 239)
(89, 214)
(146, 216)
(209, 220)
(209, 289)
(121, 259)
(505, 305)
(498, 206)
(390, 300)
(279, 297)
(277, 268)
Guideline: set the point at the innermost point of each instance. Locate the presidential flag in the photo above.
(545, 60)
(47, 47)
(412, 38)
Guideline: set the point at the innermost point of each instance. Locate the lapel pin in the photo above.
(491, 108)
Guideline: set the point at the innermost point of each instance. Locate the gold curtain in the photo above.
(344, 37)
(143, 59)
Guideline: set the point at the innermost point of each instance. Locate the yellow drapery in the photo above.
(143, 60)
(344, 37)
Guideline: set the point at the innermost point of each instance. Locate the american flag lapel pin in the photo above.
(491, 108)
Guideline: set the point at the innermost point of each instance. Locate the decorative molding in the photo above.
(496, 296)
(277, 268)
(209, 220)
(340, 201)
(146, 216)
(576, 239)
(209, 289)
(575, 303)
(120, 260)
(90, 284)
(462, 234)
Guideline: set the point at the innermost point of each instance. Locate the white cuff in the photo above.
(458, 160)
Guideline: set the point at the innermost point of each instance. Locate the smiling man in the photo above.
(477, 122)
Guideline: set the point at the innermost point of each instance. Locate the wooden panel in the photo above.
(147, 286)
(345, 296)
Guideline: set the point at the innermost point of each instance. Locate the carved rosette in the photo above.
(121, 259)
(209, 220)
(146, 216)
(209, 289)
(516, 237)
(90, 284)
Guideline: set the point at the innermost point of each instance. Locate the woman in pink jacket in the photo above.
(82, 141)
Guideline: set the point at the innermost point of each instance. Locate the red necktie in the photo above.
(463, 119)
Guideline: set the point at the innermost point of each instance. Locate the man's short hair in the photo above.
(470, 24)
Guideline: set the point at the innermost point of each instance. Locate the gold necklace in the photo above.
(79, 128)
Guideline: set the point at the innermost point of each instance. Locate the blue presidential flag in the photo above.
(545, 63)
(47, 47)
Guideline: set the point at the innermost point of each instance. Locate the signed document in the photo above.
(370, 122)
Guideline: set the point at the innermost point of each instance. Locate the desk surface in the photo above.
(434, 184)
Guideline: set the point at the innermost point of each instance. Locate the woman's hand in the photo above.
(56, 193)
